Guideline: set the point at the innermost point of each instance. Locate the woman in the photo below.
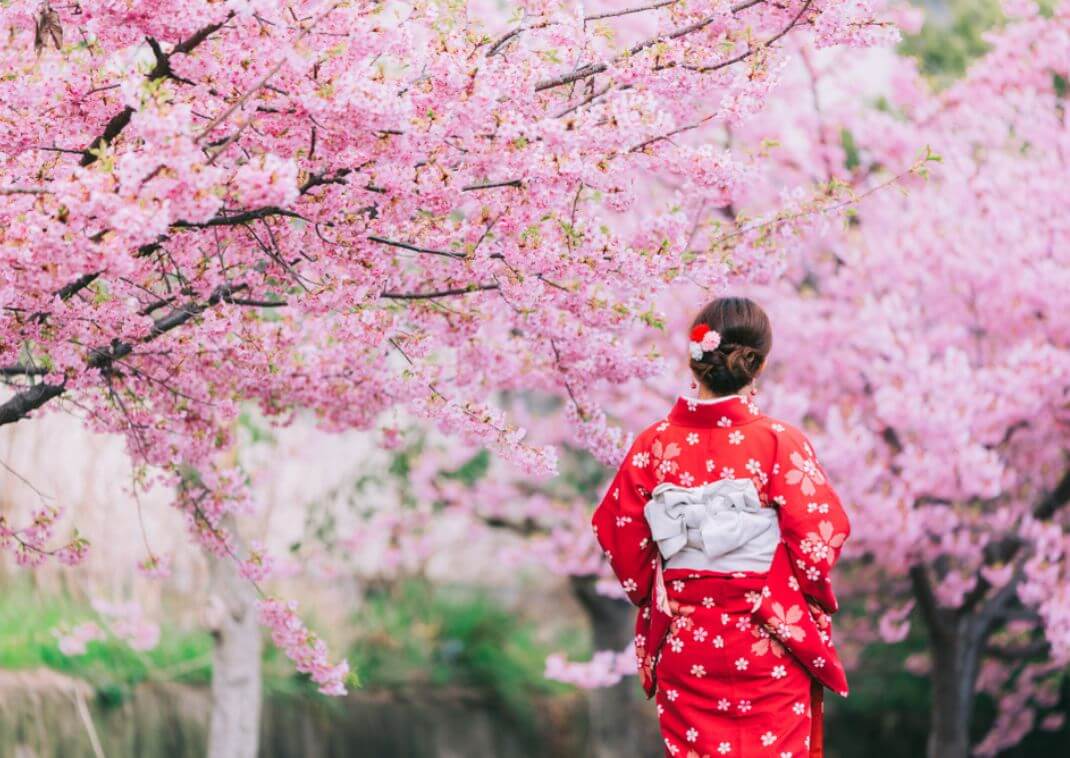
(723, 528)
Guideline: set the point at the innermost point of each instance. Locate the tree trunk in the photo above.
(956, 656)
(623, 724)
(235, 722)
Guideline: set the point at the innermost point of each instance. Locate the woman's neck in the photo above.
(705, 394)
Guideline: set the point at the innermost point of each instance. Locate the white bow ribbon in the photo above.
(718, 518)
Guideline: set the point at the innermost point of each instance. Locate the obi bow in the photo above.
(717, 518)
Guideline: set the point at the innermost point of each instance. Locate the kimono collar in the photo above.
(732, 410)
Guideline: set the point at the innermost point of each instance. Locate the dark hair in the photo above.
(746, 338)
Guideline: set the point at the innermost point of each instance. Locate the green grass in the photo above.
(410, 634)
(113, 668)
(415, 634)
(27, 619)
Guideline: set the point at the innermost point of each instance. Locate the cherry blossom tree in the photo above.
(353, 207)
(925, 342)
(919, 337)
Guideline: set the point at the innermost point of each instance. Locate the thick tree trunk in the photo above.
(235, 723)
(622, 722)
(956, 656)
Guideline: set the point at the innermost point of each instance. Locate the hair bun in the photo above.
(746, 337)
(743, 361)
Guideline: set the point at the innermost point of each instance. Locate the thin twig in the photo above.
(629, 11)
(414, 248)
(262, 81)
(440, 293)
(591, 69)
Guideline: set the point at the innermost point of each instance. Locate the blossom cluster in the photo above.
(349, 209)
(307, 651)
(923, 345)
(123, 621)
(32, 544)
(605, 669)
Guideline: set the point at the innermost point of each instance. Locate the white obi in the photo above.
(720, 526)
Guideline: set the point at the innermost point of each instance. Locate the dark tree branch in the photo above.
(500, 44)
(1055, 499)
(20, 370)
(991, 612)
(492, 185)
(439, 293)
(1035, 649)
(416, 249)
(187, 45)
(162, 69)
(115, 125)
(1004, 551)
(257, 303)
(891, 437)
(527, 528)
(102, 358)
(238, 218)
(27, 401)
(930, 610)
(70, 290)
(316, 180)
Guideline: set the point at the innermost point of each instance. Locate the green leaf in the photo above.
(1058, 81)
(650, 318)
(850, 149)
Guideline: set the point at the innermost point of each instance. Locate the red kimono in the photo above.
(737, 659)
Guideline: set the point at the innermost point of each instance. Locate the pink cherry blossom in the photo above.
(75, 641)
(303, 647)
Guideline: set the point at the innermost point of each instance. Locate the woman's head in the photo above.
(746, 338)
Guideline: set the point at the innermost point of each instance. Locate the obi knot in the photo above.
(706, 526)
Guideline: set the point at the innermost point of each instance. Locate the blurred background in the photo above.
(461, 596)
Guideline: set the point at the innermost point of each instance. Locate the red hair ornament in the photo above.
(703, 340)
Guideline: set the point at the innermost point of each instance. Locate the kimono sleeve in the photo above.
(622, 530)
(813, 523)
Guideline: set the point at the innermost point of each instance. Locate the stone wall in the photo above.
(44, 714)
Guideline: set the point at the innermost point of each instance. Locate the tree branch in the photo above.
(491, 185)
(416, 249)
(930, 610)
(70, 290)
(20, 370)
(115, 125)
(162, 69)
(16, 190)
(238, 218)
(1036, 649)
(439, 293)
(1003, 551)
(629, 11)
(27, 401)
(752, 50)
(263, 79)
(102, 358)
(1055, 499)
(497, 46)
(316, 180)
(591, 69)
